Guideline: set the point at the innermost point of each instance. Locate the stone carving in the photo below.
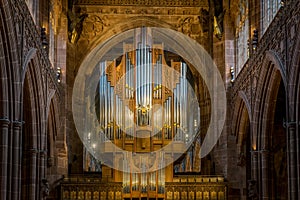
(93, 25)
(28, 34)
(185, 25)
(252, 191)
(171, 12)
(45, 188)
(204, 19)
(218, 24)
(190, 26)
(272, 36)
(75, 25)
(177, 3)
(241, 159)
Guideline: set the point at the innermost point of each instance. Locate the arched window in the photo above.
(268, 12)
(242, 35)
(33, 8)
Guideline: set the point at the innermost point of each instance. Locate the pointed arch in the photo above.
(9, 72)
(11, 123)
(273, 57)
(268, 84)
(241, 119)
(30, 55)
(34, 134)
(294, 116)
(265, 98)
(53, 130)
(294, 80)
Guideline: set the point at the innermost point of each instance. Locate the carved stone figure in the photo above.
(204, 19)
(75, 25)
(45, 188)
(252, 191)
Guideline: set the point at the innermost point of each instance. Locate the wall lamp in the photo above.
(255, 40)
(44, 38)
(232, 77)
(58, 74)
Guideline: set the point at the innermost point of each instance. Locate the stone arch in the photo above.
(4, 83)
(293, 125)
(241, 147)
(10, 121)
(241, 119)
(9, 72)
(53, 127)
(189, 51)
(265, 99)
(34, 131)
(29, 56)
(274, 58)
(268, 84)
(55, 146)
(294, 76)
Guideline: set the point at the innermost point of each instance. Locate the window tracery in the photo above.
(242, 35)
(269, 9)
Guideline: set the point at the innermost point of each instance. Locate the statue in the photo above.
(45, 188)
(252, 191)
(75, 25)
(204, 19)
(218, 19)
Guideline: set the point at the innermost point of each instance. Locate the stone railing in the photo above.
(164, 3)
(182, 187)
(196, 187)
(88, 188)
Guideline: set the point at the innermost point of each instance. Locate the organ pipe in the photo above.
(144, 83)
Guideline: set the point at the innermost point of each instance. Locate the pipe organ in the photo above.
(143, 105)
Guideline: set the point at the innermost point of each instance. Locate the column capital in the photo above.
(43, 152)
(32, 151)
(17, 123)
(254, 152)
(291, 124)
(264, 151)
(4, 121)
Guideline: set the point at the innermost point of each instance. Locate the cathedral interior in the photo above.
(149, 99)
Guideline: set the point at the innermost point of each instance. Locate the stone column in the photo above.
(265, 174)
(42, 173)
(298, 154)
(254, 163)
(31, 177)
(16, 164)
(9, 161)
(4, 124)
(254, 174)
(292, 161)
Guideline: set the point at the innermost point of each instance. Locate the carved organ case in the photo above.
(146, 109)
